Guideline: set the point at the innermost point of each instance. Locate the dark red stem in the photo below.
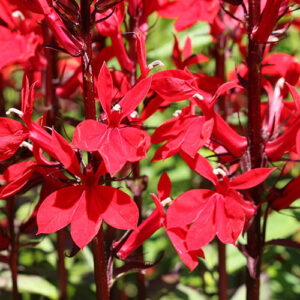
(62, 272)
(100, 269)
(255, 151)
(14, 247)
(87, 71)
(100, 264)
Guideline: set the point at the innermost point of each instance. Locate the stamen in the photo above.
(198, 96)
(134, 114)
(18, 14)
(155, 64)
(177, 113)
(15, 111)
(219, 171)
(166, 201)
(117, 108)
(27, 145)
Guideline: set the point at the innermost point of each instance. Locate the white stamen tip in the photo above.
(134, 114)
(27, 145)
(177, 113)
(166, 201)
(18, 14)
(198, 96)
(155, 64)
(219, 171)
(15, 111)
(281, 82)
(117, 107)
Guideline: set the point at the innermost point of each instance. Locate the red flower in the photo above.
(223, 213)
(117, 143)
(184, 58)
(84, 206)
(188, 12)
(155, 221)
(14, 133)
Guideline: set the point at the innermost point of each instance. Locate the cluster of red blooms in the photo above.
(76, 192)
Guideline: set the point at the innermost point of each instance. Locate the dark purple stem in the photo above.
(100, 268)
(61, 268)
(87, 71)
(98, 246)
(14, 247)
(255, 150)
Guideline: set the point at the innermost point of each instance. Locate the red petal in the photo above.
(189, 258)
(134, 96)
(65, 153)
(16, 176)
(87, 218)
(230, 220)
(197, 135)
(174, 85)
(136, 143)
(291, 192)
(204, 229)
(141, 234)
(57, 210)
(119, 210)
(250, 178)
(225, 87)
(105, 89)
(187, 207)
(87, 135)
(12, 134)
(295, 95)
(164, 187)
(231, 140)
(200, 165)
(27, 99)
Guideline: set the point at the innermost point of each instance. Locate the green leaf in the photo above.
(32, 284)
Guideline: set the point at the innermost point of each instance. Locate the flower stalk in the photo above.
(255, 151)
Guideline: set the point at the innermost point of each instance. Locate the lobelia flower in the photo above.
(73, 45)
(157, 220)
(116, 142)
(84, 206)
(194, 11)
(111, 27)
(184, 58)
(14, 133)
(286, 141)
(223, 212)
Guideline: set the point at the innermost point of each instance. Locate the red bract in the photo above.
(86, 205)
(155, 221)
(117, 143)
(223, 213)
